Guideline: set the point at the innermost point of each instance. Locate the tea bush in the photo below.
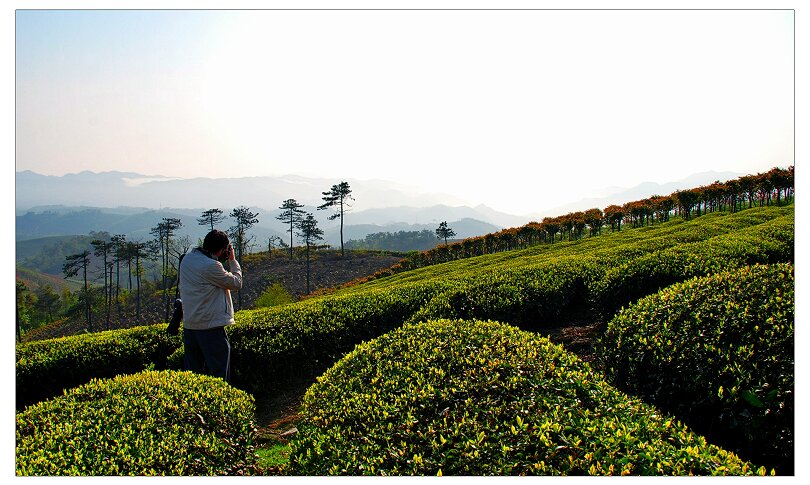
(150, 423)
(298, 341)
(538, 287)
(484, 398)
(274, 295)
(533, 297)
(609, 250)
(47, 367)
(769, 242)
(718, 352)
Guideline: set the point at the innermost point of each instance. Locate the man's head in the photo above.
(215, 241)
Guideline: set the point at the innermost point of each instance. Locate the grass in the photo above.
(273, 457)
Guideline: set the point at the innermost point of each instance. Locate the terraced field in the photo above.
(511, 297)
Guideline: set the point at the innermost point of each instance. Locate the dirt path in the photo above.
(278, 413)
(578, 339)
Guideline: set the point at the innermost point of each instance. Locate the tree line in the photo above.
(119, 265)
(116, 253)
(395, 241)
(773, 187)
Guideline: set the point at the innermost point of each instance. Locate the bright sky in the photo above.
(520, 110)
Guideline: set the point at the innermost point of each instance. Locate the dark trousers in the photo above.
(208, 352)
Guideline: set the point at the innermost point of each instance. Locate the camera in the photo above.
(177, 316)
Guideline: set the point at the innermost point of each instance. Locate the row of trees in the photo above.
(401, 241)
(120, 264)
(171, 248)
(305, 226)
(294, 217)
(107, 257)
(773, 187)
(113, 253)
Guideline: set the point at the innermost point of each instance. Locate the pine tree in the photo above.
(164, 232)
(73, 264)
(444, 232)
(338, 197)
(292, 215)
(309, 232)
(238, 233)
(210, 218)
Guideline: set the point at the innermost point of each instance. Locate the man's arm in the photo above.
(231, 280)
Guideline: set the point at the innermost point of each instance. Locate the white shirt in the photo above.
(205, 288)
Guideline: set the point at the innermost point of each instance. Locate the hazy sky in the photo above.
(520, 110)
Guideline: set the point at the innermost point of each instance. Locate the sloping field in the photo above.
(540, 287)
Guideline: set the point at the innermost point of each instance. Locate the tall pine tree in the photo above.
(309, 233)
(291, 214)
(338, 197)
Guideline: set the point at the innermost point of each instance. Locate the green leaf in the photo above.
(752, 399)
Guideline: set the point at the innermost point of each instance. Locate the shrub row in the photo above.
(718, 352)
(484, 398)
(769, 242)
(553, 291)
(534, 297)
(532, 288)
(150, 423)
(47, 367)
(619, 246)
(661, 236)
(656, 208)
(301, 341)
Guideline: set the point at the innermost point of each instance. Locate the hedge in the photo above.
(533, 297)
(455, 397)
(718, 352)
(150, 423)
(533, 288)
(45, 368)
(300, 341)
(613, 249)
(769, 242)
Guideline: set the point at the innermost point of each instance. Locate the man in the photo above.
(205, 288)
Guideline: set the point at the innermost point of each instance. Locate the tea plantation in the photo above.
(442, 369)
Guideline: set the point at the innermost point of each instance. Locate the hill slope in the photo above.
(538, 288)
(327, 269)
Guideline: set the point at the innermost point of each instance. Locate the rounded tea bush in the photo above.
(152, 423)
(717, 352)
(455, 397)
(45, 368)
(767, 243)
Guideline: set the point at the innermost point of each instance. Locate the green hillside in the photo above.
(47, 254)
(34, 279)
(537, 288)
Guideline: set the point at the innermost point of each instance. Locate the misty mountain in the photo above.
(117, 189)
(432, 216)
(130, 204)
(136, 223)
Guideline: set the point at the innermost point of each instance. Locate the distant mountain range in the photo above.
(47, 222)
(131, 204)
(126, 189)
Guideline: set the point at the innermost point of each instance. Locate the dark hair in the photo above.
(215, 240)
